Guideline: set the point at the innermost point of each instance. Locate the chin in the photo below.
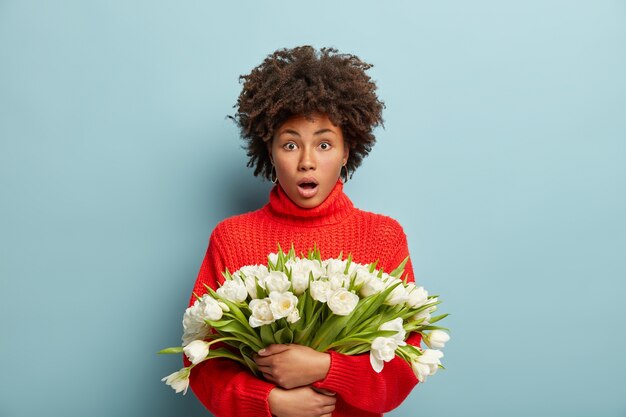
(309, 204)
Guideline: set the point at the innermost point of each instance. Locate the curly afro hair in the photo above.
(303, 81)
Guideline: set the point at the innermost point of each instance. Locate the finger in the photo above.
(324, 391)
(330, 402)
(269, 377)
(266, 369)
(263, 361)
(273, 349)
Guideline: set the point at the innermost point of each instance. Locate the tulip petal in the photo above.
(377, 364)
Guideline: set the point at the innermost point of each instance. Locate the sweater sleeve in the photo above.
(226, 388)
(353, 378)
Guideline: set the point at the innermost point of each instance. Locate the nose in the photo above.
(307, 160)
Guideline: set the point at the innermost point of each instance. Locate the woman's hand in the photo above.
(300, 402)
(291, 366)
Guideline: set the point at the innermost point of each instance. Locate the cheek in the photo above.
(282, 163)
(330, 165)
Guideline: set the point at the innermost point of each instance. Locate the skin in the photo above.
(308, 148)
(293, 368)
(300, 402)
(315, 149)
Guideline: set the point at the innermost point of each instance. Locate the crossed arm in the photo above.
(297, 380)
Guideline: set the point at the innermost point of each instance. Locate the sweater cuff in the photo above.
(254, 402)
(341, 373)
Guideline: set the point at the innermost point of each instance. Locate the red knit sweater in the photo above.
(228, 389)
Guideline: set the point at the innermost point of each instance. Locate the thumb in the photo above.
(273, 350)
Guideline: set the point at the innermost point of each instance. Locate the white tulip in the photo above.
(314, 267)
(210, 308)
(338, 280)
(179, 380)
(371, 287)
(342, 302)
(383, 350)
(277, 281)
(436, 339)
(197, 351)
(426, 364)
(282, 304)
(250, 283)
(194, 332)
(203, 309)
(261, 312)
(335, 266)
(306, 266)
(354, 266)
(273, 257)
(363, 275)
(299, 281)
(423, 316)
(398, 295)
(259, 271)
(420, 370)
(418, 296)
(319, 290)
(396, 325)
(294, 316)
(233, 290)
(194, 325)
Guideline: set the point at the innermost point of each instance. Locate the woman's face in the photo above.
(308, 156)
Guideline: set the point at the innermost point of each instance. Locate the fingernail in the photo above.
(262, 351)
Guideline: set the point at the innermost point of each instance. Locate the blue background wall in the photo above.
(505, 142)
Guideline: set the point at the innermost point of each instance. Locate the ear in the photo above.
(346, 154)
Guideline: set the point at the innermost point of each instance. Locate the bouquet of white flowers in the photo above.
(330, 304)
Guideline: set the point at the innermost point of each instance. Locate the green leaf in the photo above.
(234, 327)
(225, 353)
(368, 307)
(328, 331)
(260, 292)
(435, 328)
(267, 335)
(348, 264)
(170, 350)
(400, 269)
(227, 276)
(284, 335)
(246, 355)
(437, 318)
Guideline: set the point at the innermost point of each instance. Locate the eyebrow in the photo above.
(319, 132)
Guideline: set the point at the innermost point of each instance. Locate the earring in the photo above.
(345, 166)
(273, 170)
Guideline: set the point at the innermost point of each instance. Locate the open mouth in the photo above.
(307, 187)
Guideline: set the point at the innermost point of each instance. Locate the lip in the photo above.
(307, 179)
(307, 192)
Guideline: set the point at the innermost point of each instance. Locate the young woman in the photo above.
(307, 118)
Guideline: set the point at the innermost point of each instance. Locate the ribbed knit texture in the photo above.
(229, 390)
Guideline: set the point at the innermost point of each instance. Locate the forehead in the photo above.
(314, 121)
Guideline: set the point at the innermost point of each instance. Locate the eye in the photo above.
(290, 146)
(325, 146)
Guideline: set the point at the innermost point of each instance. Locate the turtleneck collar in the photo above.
(334, 209)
